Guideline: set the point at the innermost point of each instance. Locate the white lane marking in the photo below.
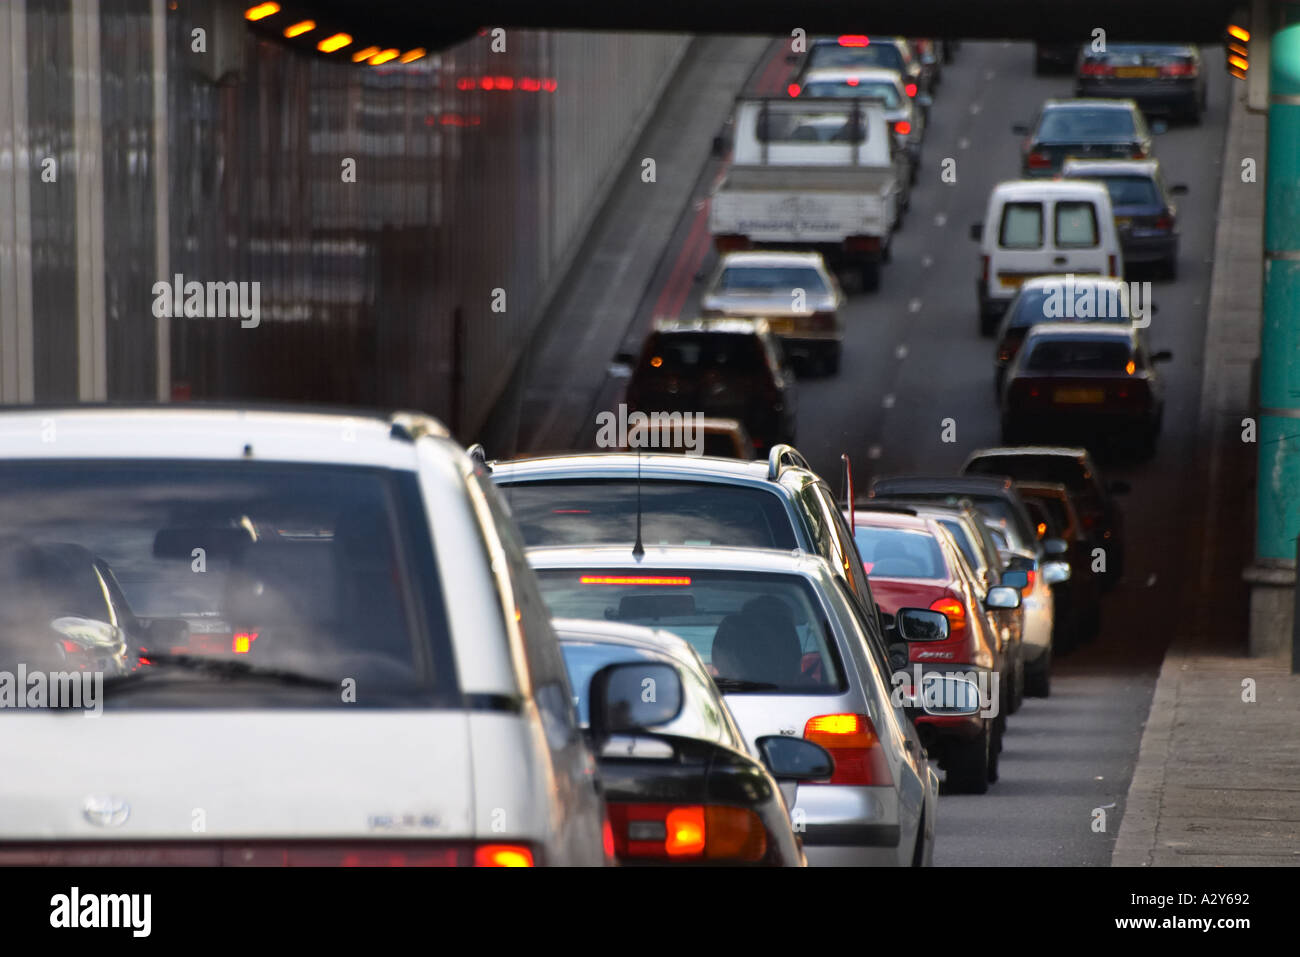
(990, 74)
(914, 305)
(976, 107)
(888, 401)
(927, 261)
(963, 143)
(873, 452)
(901, 351)
(940, 219)
(1151, 579)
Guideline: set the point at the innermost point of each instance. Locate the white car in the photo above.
(1038, 228)
(336, 651)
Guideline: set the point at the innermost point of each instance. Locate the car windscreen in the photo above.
(591, 512)
(834, 56)
(1080, 124)
(899, 553)
(876, 90)
(755, 632)
(1078, 355)
(319, 571)
(1132, 191)
(771, 280)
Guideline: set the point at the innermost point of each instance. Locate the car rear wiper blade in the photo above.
(741, 684)
(219, 667)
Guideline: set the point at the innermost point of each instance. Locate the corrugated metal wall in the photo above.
(475, 171)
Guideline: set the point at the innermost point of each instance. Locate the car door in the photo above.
(1020, 246)
(1077, 236)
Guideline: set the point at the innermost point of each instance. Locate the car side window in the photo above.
(815, 522)
(865, 629)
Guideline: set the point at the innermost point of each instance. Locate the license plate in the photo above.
(1135, 72)
(1079, 396)
(1013, 281)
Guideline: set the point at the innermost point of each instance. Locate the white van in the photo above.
(1035, 228)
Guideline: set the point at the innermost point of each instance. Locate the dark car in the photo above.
(1094, 499)
(856, 51)
(913, 562)
(721, 368)
(1055, 56)
(681, 788)
(1160, 77)
(1078, 598)
(1055, 299)
(1145, 216)
(1083, 128)
(993, 495)
(1095, 383)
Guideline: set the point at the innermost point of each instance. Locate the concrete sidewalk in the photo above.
(1217, 780)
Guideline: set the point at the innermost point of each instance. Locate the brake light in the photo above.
(242, 642)
(1139, 152)
(634, 580)
(863, 244)
(1042, 529)
(984, 269)
(1113, 262)
(503, 855)
(1096, 68)
(1037, 160)
(852, 741)
(1164, 221)
(607, 839)
(793, 89)
(852, 81)
(1179, 69)
(854, 40)
(685, 832)
(822, 320)
(910, 89)
(954, 610)
(902, 128)
(1030, 576)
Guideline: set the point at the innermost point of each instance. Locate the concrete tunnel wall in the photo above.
(128, 157)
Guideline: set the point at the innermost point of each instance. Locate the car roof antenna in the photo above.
(638, 550)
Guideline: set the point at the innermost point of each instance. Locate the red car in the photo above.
(912, 561)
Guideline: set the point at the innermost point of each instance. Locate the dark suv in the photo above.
(721, 368)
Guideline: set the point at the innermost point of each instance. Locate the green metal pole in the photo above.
(1278, 514)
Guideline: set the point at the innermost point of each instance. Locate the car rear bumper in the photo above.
(1153, 96)
(1141, 249)
(855, 824)
(1065, 426)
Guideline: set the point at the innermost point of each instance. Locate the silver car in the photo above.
(788, 648)
(336, 650)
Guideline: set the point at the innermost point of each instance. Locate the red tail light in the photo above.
(1097, 68)
(1179, 69)
(823, 321)
(1030, 577)
(1037, 160)
(269, 854)
(1112, 262)
(1164, 221)
(730, 242)
(793, 89)
(902, 128)
(910, 89)
(854, 40)
(1139, 152)
(852, 741)
(687, 831)
(862, 244)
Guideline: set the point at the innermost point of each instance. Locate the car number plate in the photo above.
(1135, 72)
(1079, 396)
(1013, 281)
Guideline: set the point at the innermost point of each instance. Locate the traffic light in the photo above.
(1238, 51)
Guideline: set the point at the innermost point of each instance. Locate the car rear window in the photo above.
(1078, 355)
(692, 353)
(884, 91)
(581, 512)
(760, 633)
(899, 553)
(962, 538)
(1031, 306)
(1076, 124)
(1076, 224)
(324, 571)
(832, 55)
(1064, 469)
(771, 279)
(1022, 226)
(1132, 191)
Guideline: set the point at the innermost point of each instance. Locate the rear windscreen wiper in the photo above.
(740, 684)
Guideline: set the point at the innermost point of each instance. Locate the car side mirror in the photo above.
(921, 624)
(1002, 596)
(1021, 129)
(1118, 487)
(1056, 546)
(1015, 578)
(1056, 572)
(977, 231)
(1164, 355)
(1179, 189)
(795, 759)
(633, 696)
(949, 695)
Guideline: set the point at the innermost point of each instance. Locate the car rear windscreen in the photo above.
(756, 632)
(883, 91)
(693, 354)
(323, 573)
(604, 512)
(830, 55)
(1078, 355)
(1132, 191)
(1064, 469)
(899, 553)
(771, 279)
(1077, 124)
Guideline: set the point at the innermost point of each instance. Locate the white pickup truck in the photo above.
(811, 173)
